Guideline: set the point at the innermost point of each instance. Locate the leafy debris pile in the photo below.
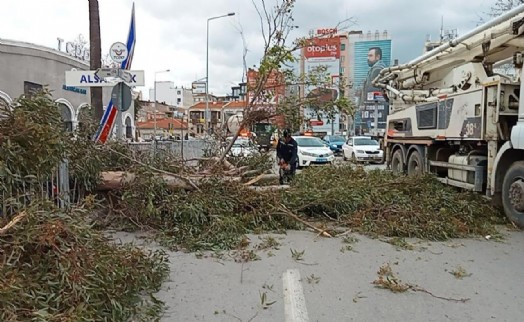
(380, 203)
(55, 267)
(215, 217)
(375, 203)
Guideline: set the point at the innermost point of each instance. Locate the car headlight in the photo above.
(330, 153)
(360, 151)
(309, 154)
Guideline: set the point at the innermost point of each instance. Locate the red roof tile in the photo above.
(212, 105)
(163, 124)
(236, 104)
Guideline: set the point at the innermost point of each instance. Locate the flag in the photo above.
(108, 119)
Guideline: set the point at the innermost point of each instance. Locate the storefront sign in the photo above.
(76, 50)
(87, 78)
(74, 89)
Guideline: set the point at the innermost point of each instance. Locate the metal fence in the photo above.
(17, 192)
(186, 149)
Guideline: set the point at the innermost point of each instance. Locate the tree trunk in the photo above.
(95, 48)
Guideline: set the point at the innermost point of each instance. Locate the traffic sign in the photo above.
(118, 52)
(316, 122)
(122, 97)
(106, 72)
(89, 78)
(125, 75)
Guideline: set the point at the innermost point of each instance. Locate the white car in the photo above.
(312, 151)
(363, 148)
(243, 147)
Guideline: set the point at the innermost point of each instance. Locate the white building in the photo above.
(168, 93)
(26, 67)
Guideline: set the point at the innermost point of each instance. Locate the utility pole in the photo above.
(207, 117)
(154, 103)
(376, 118)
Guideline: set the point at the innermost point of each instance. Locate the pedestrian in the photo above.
(287, 150)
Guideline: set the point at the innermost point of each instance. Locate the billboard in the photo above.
(198, 87)
(370, 58)
(273, 91)
(326, 92)
(322, 48)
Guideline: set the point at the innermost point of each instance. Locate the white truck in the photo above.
(455, 116)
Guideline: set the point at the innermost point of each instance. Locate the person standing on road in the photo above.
(287, 150)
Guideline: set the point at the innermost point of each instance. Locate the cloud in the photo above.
(172, 34)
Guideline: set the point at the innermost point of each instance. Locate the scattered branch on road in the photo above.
(283, 209)
(388, 280)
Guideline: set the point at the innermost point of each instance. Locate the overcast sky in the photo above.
(171, 34)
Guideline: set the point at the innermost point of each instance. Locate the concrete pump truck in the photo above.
(455, 114)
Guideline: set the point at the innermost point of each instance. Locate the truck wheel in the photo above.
(415, 165)
(397, 162)
(513, 193)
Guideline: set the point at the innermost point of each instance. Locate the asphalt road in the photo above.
(304, 277)
(336, 278)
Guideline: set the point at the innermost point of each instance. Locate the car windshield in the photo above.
(336, 138)
(365, 142)
(309, 142)
(241, 143)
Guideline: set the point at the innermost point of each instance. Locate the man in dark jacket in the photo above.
(287, 150)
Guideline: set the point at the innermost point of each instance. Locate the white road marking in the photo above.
(294, 300)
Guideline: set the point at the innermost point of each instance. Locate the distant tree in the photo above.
(95, 47)
(498, 8)
(276, 23)
(501, 6)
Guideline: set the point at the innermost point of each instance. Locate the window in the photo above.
(342, 59)
(178, 92)
(444, 113)
(4, 106)
(342, 47)
(31, 88)
(342, 70)
(427, 116)
(178, 100)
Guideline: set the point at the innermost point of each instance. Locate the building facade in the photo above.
(168, 93)
(25, 68)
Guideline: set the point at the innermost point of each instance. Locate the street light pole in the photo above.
(154, 92)
(207, 68)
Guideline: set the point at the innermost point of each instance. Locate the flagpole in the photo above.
(110, 116)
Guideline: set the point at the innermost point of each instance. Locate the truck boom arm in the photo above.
(418, 80)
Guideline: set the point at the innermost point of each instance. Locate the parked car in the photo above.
(335, 142)
(242, 147)
(313, 151)
(363, 148)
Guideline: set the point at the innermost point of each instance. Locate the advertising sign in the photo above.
(370, 58)
(326, 92)
(198, 87)
(273, 91)
(323, 48)
(327, 31)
